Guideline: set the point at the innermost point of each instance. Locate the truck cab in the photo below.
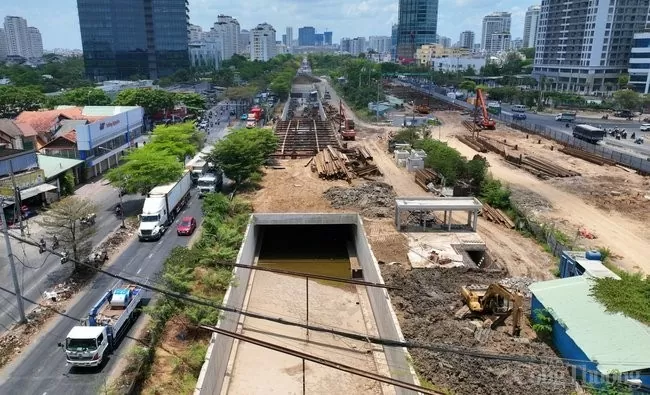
(153, 219)
(86, 346)
(210, 182)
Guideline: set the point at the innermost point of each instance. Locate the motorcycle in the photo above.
(606, 116)
(88, 220)
(118, 210)
(41, 246)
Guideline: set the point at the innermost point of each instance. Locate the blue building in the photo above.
(599, 342)
(319, 39)
(328, 38)
(306, 36)
(578, 263)
(417, 25)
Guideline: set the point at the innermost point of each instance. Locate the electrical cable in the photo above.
(341, 333)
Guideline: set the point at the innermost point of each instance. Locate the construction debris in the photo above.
(334, 164)
(540, 167)
(425, 177)
(373, 199)
(497, 216)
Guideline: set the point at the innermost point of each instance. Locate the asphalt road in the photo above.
(42, 369)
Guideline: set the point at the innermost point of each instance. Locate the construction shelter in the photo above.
(421, 214)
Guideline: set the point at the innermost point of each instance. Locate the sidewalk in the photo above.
(36, 272)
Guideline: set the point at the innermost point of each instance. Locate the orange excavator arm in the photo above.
(480, 101)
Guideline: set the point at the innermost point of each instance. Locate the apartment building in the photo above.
(639, 68)
(227, 28)
(263, 46)
(466, 39)
(496, 22)
(531, 22)
(584, 46)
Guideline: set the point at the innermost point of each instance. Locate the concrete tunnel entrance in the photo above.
(311, 249)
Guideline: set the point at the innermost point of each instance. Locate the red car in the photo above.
(186, 227)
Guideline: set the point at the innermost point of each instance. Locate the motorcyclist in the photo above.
(42, 245)
(55, 242)
(118, 209)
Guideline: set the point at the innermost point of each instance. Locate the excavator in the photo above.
(346, 125)
(494, 300)
(481, 115)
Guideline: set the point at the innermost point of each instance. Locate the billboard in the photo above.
(23, 181)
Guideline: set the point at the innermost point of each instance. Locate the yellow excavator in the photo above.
(494, 300)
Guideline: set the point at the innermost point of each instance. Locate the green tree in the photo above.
(491, 69)
(243, 152)
(623, 80)
(512, 64)
(529, 53)
(152, 100)
(145, 168)
(627, 99)
(14, 100)
(180, 140)
(468, 85)
(82, 97)
(194, 102)
(62, 221)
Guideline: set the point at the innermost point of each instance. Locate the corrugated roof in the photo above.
(42, 121)
(612, 340)
(69, 125)
(52, 166)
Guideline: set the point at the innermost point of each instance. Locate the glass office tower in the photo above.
(126, 39)
(417, 25)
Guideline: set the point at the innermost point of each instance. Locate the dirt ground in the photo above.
(426, 304)
(607, 201)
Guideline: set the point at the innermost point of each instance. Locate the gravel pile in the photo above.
(374, 199)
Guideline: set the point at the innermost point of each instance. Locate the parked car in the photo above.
(186, 227)
(519, 116)
(645, 127)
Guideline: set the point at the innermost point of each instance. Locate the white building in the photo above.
(639, 68)
(263, 42)
(205, 54)
(194, 33)
(531, 23)
(3, 45)
(500, 42)
(444, 41)
(379, 44)
(244, 42)
(586, 46)
(227, 28)
(35, 42)
(517, 44)
(281, 48)
(496, 22)
(457, 64)
(17, 37)
(467, 39)
(358, 45)
(289, 33)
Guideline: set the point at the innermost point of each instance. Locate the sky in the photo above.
(59, 23)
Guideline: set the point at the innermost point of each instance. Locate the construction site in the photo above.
(457, 271)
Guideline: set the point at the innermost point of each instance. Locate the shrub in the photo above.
(495, 194)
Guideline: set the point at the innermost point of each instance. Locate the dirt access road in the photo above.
(626, 237)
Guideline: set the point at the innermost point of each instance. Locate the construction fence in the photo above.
(642, 165)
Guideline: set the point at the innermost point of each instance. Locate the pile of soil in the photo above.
(373, 199)
(425, 306)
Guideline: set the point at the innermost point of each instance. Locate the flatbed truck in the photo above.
(108, 321)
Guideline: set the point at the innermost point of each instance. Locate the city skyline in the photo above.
(367, 18)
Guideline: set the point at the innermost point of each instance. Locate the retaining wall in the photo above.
(214, 368)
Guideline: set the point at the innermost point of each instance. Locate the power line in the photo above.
(350, 335)
(321, 361)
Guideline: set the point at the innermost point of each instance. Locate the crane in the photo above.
(481, 115)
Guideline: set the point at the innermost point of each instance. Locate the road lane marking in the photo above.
(150, 255)
(139, 270)
(506, 113)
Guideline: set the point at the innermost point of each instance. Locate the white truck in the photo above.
(210, 182)
(161, 206)
(197, 167)
(109, 319)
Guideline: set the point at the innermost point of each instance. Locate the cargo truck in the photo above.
(161, 206)
(197, 167)
(210, 182)
(107, 322)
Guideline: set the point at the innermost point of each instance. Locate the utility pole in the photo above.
(10, 255)
(17, 200)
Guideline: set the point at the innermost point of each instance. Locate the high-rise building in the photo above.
(358, 45)
(345, 44)
(379, 44)
(263, 46)
(194, 33)
(444, 41)
(516, 44)
(306, 36)
(393, 39)
(531, 22)
(35, 42)
(319, 39)
(289, 32)
(499, 42)
(135, 38)
(417, 25)
(244, 42)
(328, 38)
(496, 22)
(467, 39)
(228, 28)
(585, 46)
(3, 45)
(639, 68)
(17, 36)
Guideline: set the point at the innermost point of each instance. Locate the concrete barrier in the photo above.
(212, 377)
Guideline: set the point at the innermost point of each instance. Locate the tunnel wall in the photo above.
(212, 377)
